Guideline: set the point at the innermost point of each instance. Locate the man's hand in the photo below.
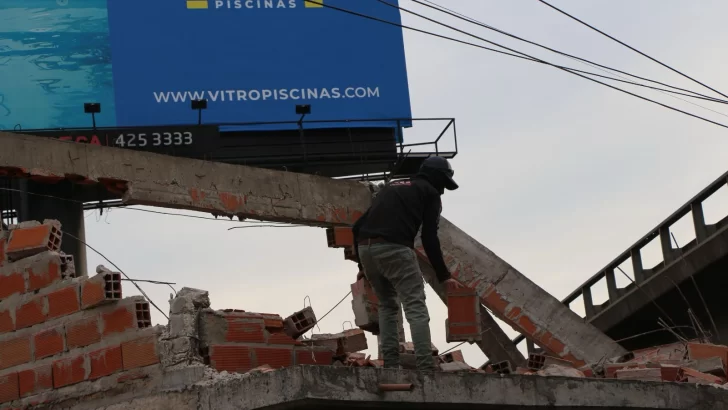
(360, 275)
(452, 284)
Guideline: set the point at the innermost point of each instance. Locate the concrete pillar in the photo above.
(67, 212)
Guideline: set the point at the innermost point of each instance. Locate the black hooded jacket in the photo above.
(397, 213)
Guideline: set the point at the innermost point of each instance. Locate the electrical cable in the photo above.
(524, 54)
(631, 48)
(592, 64)
(471, 20)
(512, 55)
(120, 271)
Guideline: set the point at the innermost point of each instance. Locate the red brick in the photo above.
(282, 339)
(63, 302)
(14, 352)
(48, 343)
(45, 274)
(30, 313)
(340, 236)
(238, 331)
(69, 371)
(119, 320)
(9, 389)
(101, 289)
(231, 358)
(105, 362)
(82, 332)
(686, 374)
(698, 351)
(140, 352)
(462, 309)
(34, 381)
(274, 357)
(11, 284)
(319, 357)
(25, 242)
(6, 322)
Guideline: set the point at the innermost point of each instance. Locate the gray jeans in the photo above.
(394, 274)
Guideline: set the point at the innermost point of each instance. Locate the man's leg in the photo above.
(399, 265)
(388, 306)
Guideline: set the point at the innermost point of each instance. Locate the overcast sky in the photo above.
(558, 175)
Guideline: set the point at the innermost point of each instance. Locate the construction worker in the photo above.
(385, 236)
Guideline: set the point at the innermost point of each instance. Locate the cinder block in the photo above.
(83, 332)
(299, 322)
(69, 371)
(14, 352)
(685, 374)
(7, 323)
(30, 313)
(34, 381)
(125, 317)
(105, 362)
(140, 352)
(463, 316)
(314, 356)
(11, 283)
(698, 351)
(340, 236)
(365, 306)
(9, 389)
(275, 357)
(539, 361)
(454, 356)
(48, 343)
(712, 365)
(231, 358)
(64, 301)
(101, 289)
(652, 374)
(354, 340)
(25, 242)
(503, 367)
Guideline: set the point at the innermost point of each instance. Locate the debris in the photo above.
(556, 370)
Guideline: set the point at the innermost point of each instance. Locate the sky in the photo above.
(558, 175)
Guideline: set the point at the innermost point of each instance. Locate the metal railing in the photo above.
(669, 254)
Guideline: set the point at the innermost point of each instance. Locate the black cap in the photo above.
(441, 166)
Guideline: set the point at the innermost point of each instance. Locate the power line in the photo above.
(631, 48)
(598, 66)
(471, 20)
(502, 52)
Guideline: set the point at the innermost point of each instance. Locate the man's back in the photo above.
(397, 212)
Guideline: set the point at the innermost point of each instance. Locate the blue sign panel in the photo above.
(146, 60)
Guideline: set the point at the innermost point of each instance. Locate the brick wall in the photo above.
(58, 330)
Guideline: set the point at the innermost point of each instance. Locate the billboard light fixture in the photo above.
(303, 109)
(199, 105)
(93, 109)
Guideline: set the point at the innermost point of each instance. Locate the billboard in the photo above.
(144, 61)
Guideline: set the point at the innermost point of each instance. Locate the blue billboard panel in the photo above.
(145, 61)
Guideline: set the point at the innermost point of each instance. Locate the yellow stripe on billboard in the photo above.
(197, 4)
(309, 4)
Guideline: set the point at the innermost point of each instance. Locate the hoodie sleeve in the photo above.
(355, 231)
(430, 241)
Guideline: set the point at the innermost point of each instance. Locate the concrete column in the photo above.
(67, 212)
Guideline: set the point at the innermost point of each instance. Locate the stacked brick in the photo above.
(239, 341)
(463, 316)
(58, 330)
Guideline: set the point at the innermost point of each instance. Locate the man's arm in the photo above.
(355, 231)
(431, 242)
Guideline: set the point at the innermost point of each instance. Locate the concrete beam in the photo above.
(326, 387)
(518, 301)
(159, 180)
(495, 343)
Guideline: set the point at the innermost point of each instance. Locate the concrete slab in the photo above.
(322, 387)
(515, 299)
(171, 182)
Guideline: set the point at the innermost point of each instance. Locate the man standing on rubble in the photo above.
(385, 236)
